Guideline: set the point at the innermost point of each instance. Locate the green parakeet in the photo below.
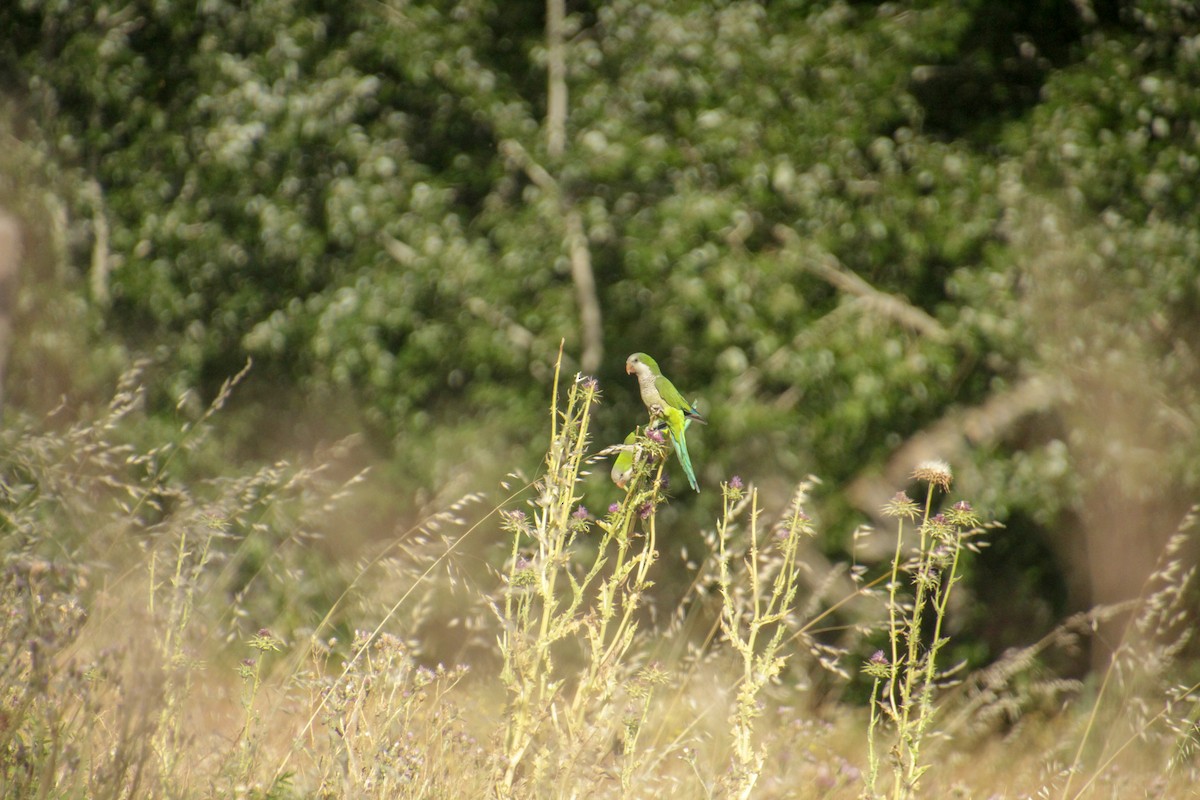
(622, 468)
(663, 400)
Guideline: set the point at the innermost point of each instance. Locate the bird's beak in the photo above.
(628, 368)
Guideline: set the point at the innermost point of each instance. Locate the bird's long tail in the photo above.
(680, 443)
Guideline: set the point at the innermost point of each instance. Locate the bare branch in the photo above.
(826, 267)
(585, 293)
(556, 90)
(950, 436)
(575, 238)
(98, 277)
(10, 262)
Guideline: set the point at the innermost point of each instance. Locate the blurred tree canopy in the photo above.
(841, 225)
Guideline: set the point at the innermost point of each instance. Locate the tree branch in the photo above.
(826, 267)
(556, 90)
(575, 238)
(585, 293)
(10, 262)
(950, 436)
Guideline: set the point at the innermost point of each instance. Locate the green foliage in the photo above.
(840, 221)
(299, 211)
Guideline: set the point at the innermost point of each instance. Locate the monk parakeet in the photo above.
(664, 401)
(623, 464)
(622, 468)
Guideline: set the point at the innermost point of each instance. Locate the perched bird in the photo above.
(622, 468)
(664, 401)
(657, 390)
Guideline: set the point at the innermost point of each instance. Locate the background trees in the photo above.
(859, 232)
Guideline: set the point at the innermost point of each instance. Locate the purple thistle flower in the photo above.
(962, 514)
(735, 482)
(655, 436)
(614, 508)
(901, 505)
(581, 513)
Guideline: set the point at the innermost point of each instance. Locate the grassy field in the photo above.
(207, 637)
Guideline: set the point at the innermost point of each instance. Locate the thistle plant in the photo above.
(553, 605)
(755, 612)
(904, 684)
(250, 672)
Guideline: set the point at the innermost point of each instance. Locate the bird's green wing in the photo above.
(671, 396)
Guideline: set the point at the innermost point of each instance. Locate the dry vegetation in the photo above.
(172, 639)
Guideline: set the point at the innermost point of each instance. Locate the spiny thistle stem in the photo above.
(595, 613)
(742, 621)
(902, 688)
